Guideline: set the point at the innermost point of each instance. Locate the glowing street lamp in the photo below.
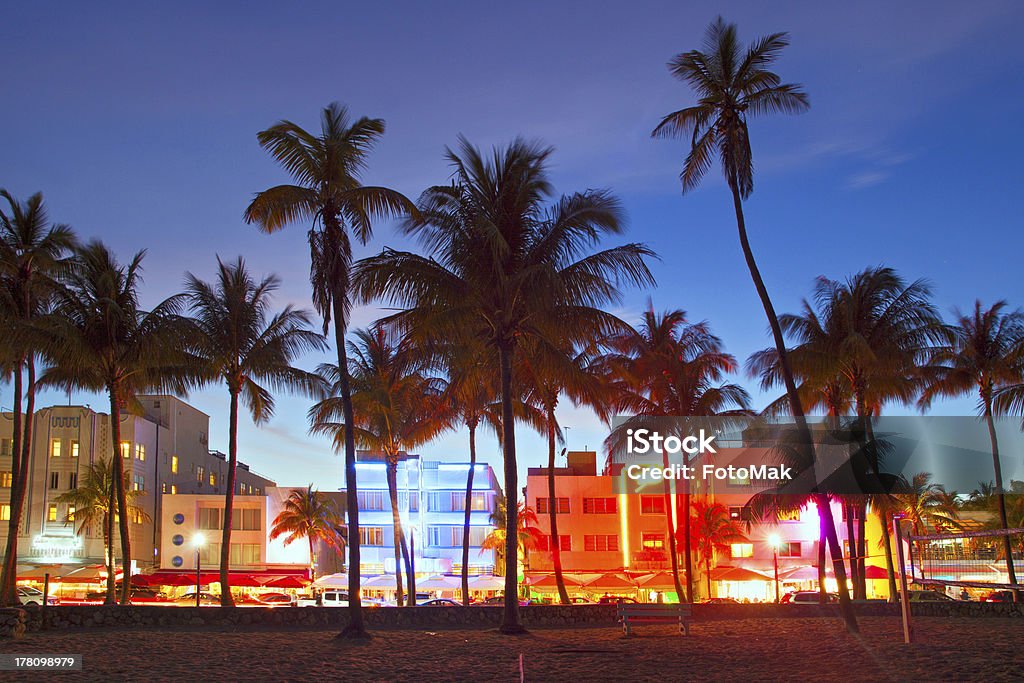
(774, 541)
(198, 541)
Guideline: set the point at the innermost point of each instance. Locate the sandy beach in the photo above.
(745, 650)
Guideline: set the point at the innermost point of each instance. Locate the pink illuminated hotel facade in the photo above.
(603, 531)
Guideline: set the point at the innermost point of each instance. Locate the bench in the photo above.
(630, 613)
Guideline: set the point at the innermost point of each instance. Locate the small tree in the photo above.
(308, 514)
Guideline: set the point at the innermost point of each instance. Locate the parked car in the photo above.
(721, 601)
(498, 601)
(205, 599)
(276, 599)
(615, 600)
(999, 596)
(333, 598)
(440, 602)
(806, 598)
(33, 596)
(581, 601)
(929, 596)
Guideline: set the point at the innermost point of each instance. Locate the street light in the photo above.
(197, 541)
(775, 541)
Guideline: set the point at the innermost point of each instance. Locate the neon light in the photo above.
(624, 528)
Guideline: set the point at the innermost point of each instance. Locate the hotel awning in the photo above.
(548, 581)
(486, 582)
(737, 574)
(610, 582)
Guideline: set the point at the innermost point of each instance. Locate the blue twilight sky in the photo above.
(139, 124)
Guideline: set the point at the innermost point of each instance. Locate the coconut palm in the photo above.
(397, 406)
(32, 254)
(507, 269)
(733, 83)
(929, 507)
(528, 536)
(236, 340)
(670, 367)
(92, 508)
(308, 514)
(983, 354)
(714, 531)
(106, 342)
(327, 195)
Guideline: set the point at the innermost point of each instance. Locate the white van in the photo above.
(332, 598)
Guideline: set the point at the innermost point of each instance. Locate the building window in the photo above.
(5, 447)
(477, 534)
(652, 541)
(244, 553)
(478, 503)
(6, 480)
(138, 482)
(73, 480)
(600, 506)
(137, 516)
(652, 505)
(245, 519)
(74, 449)
(371, 535)
(564, 543)
(210, 518)
(140, 452)
(408, 500)
(163, 487)
(55, 448)
(209, 554)
(790, 549)
(789, 515)
(126, 449)
(199, 473)
(213, 478)
(5, 512)
(370, 500)
(601, 543)
(71, 513)
(174, 489)
(740, 514)
(54, 479)
(174, 464)
(562, 507)
(51, 513)
(741, 550)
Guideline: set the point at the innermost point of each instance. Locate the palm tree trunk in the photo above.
(9, 582)
(556, 546)
(670, 523)
(355, 627)
(510, 620)
(851, 543)
(108, 531)
(687, 533)
(229, 501)
(822, 575)
(707, 574)
(471, 424)
(312, 559)
(410, 574)
(396, 523)
(887, 546)
(119, 494)
(1000, 495)
(824, 510)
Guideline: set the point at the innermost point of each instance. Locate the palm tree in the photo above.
(91, 503)
(732, 84)
(927, 506)
(398, 406)
(106, 342)
(713, 531)
(670, 367)
(983, 354)
(527, 537)
(237, 341)
(328, 196)
(32, 253)
(862, 343)
(308, 514)
(507, 270)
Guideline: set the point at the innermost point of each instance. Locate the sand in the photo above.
(744, 650)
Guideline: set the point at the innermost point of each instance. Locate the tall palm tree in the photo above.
(983, 354)
(714, 530)
(733, 83)
(32, 255)
(328, 196)
(239, 342)
(928, 507)
(506, 267)
(107, 342)
(527, 536)
(671, 368)
(308, 514)
(397, 406)
(92, 508)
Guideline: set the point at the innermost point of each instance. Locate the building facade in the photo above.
(165, 451)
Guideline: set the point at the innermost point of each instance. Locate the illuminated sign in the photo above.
(57, 547)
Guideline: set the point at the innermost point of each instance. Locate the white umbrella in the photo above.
(486, 582)
(384, 581)
(339, 580)
(438, 583)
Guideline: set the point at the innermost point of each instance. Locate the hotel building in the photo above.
(165, 451)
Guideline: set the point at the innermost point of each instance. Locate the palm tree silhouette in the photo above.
(308, 514)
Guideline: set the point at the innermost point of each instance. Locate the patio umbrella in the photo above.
(873, 572)
(438, 583)
(737, 574)
(247, 580)
(610, 582)
(56, 571)
(548, 581)
(382, 582)
(657, 580)
(802, 574)
(289, 581)
(90, 573)
(486, 582)
(339, 580)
